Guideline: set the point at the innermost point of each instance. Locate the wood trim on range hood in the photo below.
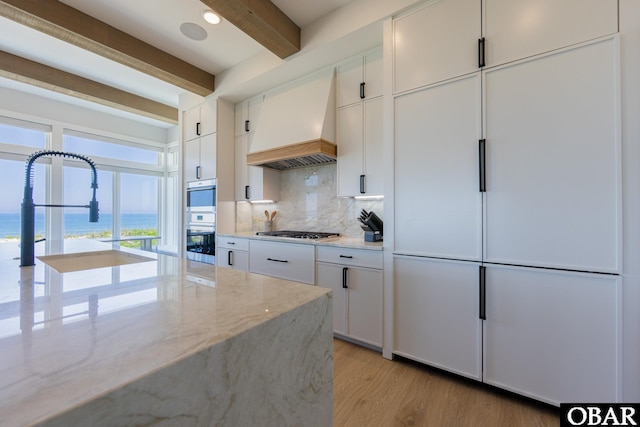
(298, 155)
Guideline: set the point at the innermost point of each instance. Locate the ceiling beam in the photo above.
(72, 26)
(36, 74)
(263, 21)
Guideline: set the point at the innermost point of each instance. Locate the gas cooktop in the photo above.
(312, 235)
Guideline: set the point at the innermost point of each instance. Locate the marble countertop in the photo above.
(67, 338)
(344, 242)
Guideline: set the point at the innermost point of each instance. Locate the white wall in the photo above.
(630, 55)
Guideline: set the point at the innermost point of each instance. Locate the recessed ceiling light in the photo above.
(211, 17)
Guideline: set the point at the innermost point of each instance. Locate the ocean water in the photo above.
(77, 224)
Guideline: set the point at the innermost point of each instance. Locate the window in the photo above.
(23, 133)
(91, 145)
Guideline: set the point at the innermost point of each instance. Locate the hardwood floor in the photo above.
(369, 390)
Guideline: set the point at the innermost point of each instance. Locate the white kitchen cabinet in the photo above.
(436, 314)
(233, 252)
(253, 182)
(355, 276)
(360, 168)
(288, 261)
(199, 121)
(438, 205)
(553, 160)
(436, 42)
(246, 115)
(519, 29)
(200, 158)
(553, 335)
(359, 78)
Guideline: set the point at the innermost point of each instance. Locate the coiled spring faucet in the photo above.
(28, 213)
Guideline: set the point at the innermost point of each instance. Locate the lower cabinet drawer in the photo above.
(283, 260)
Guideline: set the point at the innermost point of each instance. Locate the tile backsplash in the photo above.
(308, 203)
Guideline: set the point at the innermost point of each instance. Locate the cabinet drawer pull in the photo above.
(197, 172)
(277, 260)
(362, 189)
(344, 277)
(346, 256)
(231, 243)
(230, 258)
(246, 125)
(198, 128)
(246, 192)
(362, 90)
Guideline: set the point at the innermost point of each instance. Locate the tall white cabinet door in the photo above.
(364, 304)
(349, 142)
(373, 159)
(191, 159)
(553, 160)
(438, 205)
(373, 77)
(331, 276)
(348, 79)
(552, 335)
(208, 156)
(516, 29)
(435, 43)
(436, 314)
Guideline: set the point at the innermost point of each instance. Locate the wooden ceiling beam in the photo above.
(72, 26)
(263, 21)
(36, 74)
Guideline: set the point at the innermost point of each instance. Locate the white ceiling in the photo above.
(156, 22)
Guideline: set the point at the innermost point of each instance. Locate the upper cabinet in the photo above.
(359, 78)
(200, 158)
(519, 29)
(421, 57)
(199, 121)
(448, 39)
(246, 115)
(359, 138)
(251, 182)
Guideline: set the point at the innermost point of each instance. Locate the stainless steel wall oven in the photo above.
(201, 221)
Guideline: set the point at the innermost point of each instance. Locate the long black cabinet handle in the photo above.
(230, 258)
(482, 165)
(362, 189)
(346, 256)
(246, 192)
(246, 125)
(344, 277)
(277, 260)
(362, 90)
(198, 128)
(231, 243)
(482, 312)
(481, 46)
(197, 172)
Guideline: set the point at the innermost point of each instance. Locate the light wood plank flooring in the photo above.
(369, 390)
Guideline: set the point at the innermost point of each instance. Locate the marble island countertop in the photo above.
(166, 339)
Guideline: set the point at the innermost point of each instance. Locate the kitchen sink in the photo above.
(65, 263)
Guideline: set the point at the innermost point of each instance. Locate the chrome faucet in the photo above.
(28, 213)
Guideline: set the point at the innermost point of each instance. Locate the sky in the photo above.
(138, 195)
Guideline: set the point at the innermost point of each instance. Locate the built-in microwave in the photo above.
(201, 196)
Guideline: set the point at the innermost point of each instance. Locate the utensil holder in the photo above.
(268, 226)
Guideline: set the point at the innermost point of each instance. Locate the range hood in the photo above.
(296, 126)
